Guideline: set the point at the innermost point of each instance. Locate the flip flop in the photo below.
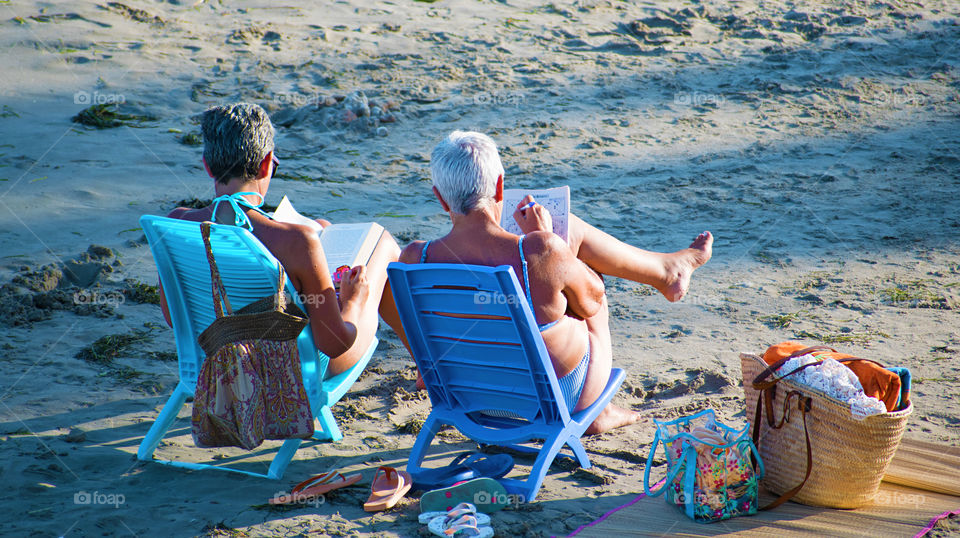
(466, 466)
(388, 487)
(465, 525)
(486, 494)
(316, 486)
(488, 465)
(458, 510)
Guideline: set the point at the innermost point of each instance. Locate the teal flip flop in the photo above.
(486, 494)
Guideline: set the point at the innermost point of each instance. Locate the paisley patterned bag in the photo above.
(250, 386)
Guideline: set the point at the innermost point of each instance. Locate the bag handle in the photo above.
(671, 475)
(804, 405)
(760, 384)
(280, 298)
(219, 292)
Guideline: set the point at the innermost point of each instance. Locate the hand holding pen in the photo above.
(532, 217)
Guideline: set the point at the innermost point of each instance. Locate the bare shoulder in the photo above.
(546, 245)
(411, 252)
(295, 237)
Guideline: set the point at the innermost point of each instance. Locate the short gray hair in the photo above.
(236, 139)
(465, 167)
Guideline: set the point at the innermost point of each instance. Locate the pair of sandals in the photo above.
(388, 487)
(461, 521)
(466, 466)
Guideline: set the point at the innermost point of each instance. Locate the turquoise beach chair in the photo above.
(249, 272)
(485, 365)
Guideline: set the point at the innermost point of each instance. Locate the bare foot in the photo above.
(612, 417)
(681, 265)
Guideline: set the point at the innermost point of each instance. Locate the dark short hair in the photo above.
(236, 139)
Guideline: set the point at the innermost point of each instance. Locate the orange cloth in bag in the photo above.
(877, 381)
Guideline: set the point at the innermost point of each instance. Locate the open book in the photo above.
(347, 244)
(555, 200)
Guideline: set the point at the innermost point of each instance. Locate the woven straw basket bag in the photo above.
(820, 455)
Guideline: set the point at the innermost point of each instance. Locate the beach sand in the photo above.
(818, 141)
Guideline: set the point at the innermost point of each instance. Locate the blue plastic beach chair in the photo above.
(249, 272)
(485, 365)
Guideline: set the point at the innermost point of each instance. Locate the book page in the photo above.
(555, 200)
(349, 244)
(286, 213)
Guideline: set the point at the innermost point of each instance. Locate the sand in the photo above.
(818, 141)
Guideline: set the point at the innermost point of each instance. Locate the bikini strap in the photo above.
(526, 279)
(423, 253)
(236, 200)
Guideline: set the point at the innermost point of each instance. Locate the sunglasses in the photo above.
(276, 166)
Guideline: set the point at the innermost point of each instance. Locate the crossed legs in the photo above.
(668, 272)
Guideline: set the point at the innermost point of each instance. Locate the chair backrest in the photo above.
(476, 341)
(247, 268)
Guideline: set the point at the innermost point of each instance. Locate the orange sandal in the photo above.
(389, 486)
(316, 486)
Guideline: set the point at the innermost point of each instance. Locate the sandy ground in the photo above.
(818, 141)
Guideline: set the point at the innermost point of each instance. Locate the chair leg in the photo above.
(577, 447)
(162, 423)
(541, 465)
(283, 458)
(329, 430)
(420, 446)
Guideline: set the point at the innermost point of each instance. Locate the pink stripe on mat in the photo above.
(929, 526)
(615, 510)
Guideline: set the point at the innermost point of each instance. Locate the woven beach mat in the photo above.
(897, 510)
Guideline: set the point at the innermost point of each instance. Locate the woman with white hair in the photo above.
(561, 281)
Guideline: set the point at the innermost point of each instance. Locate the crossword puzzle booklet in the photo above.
(555, 200)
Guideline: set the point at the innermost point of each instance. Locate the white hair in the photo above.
(465, 166)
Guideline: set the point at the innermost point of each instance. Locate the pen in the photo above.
(528, 206)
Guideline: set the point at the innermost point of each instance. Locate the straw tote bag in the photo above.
(250, 386)
(813, 449)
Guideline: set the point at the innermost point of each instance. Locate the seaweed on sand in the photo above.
(109, 347)
(108, 115)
